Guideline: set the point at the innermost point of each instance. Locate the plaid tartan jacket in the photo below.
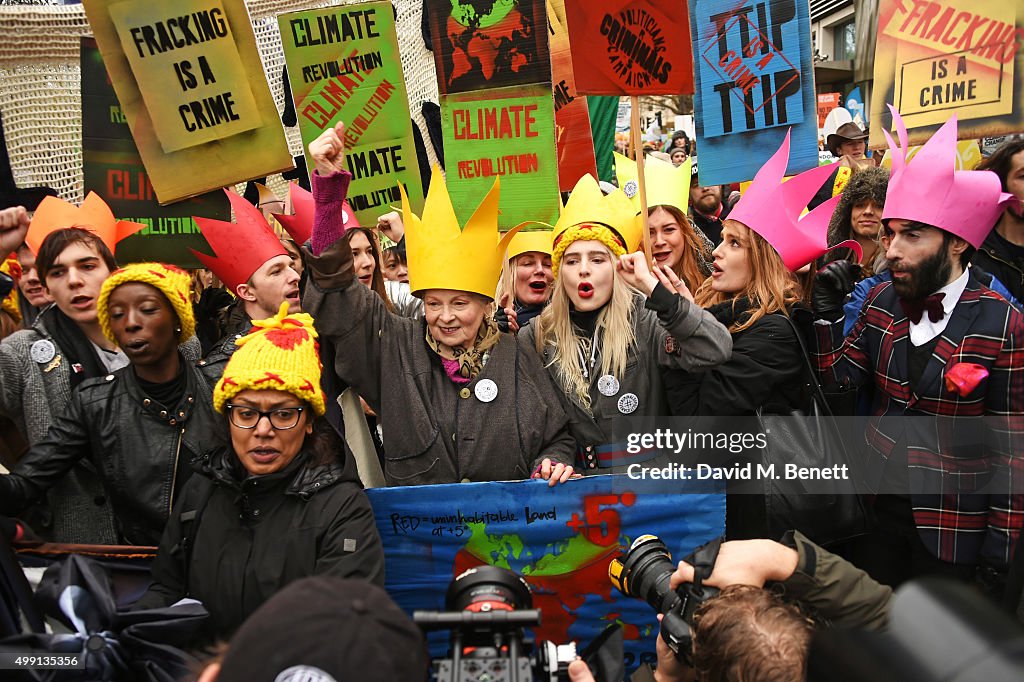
(945, 464)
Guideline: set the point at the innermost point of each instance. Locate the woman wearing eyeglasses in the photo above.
(279, 500)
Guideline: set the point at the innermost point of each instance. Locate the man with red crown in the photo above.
(254, 266)
(944, 356)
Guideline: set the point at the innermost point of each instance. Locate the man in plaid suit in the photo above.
(946, 359)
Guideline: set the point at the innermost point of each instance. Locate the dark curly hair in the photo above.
(867, 183)
(1002, 160)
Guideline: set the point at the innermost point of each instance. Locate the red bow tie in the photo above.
(915, 309)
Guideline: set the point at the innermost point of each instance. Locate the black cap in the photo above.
(327, 629)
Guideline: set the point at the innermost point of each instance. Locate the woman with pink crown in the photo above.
(753, 292)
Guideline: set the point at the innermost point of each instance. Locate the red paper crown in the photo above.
(240, 247)
(299, 225)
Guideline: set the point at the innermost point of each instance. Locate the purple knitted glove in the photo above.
(328, 194)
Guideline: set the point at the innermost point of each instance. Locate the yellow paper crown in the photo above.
(590, 214)
(172, 282)
(525, 242)
(279, 354)
(443, 256)
(666, 185)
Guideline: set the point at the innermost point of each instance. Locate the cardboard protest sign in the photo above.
(113, 169)
(572, 117)
(630, 47)
(190, 81)
(934, 58)
(508, 133)
(827, 101)
(754, 80)
(344, 65)
(559, 539)
(502, 46)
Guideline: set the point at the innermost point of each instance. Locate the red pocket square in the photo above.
(964, 377)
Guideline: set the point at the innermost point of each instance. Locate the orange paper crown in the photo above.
(240, 247)
(93, 215)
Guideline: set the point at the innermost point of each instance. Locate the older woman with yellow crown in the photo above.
(459, 401)
(279, 499)
(602, 343)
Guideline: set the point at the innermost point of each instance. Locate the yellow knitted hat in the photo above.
(174, 283)
(589, 214)
(12, 268)
(279, 354)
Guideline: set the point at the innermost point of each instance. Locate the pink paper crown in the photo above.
(771, 208)
(930, 190)
(241, 247)
(299, 225)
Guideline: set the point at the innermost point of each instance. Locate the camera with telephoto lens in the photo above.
(487, 610)
(644, 571)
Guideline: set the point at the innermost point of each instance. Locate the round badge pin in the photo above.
(631, 188)
(608, 385)
(486, 390)
(628, 403)
(42, 351)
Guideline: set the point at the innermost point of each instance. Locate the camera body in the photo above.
(487, 610)
(644, 571)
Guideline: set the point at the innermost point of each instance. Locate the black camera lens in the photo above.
(488, 588)
(643, 572)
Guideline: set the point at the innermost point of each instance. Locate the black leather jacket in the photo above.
(140, 449)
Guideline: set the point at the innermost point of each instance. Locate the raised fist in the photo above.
(392, 226)
(328, 150)
(13, 228)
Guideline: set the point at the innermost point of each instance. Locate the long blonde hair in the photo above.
(614, 332)
(772, 288)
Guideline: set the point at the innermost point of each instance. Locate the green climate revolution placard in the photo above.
(507, 133)
(344, 65)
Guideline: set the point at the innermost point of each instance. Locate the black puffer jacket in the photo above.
(234, 540)
(140, 449)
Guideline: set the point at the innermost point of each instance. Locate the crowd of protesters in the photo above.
(205, 412)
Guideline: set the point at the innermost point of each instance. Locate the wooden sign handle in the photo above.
(638, 156)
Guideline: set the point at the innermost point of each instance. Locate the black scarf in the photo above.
(735, 310)
(76, 348)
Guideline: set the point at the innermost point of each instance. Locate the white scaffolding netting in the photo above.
(41, 95)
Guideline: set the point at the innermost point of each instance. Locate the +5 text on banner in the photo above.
(754, 80)
(560, 539)
(191, 84)
(344, 65)
(113, 169)
(934, 58)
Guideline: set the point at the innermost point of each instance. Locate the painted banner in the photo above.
(572, 117)
(190, 81)
(560, 539)
(113, 169)
(754, 81)
(344, 65)
(630, 47)
(488, 45)
(934, 58)
(510, 133)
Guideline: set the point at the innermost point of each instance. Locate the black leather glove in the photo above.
(832, 285)
(6, 285)
(501, 319)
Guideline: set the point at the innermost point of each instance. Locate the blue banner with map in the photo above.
(753, 80)
(561, 539)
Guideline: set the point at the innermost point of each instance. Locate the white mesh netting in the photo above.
(41, 97)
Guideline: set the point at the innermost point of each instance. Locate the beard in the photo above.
(928, 277)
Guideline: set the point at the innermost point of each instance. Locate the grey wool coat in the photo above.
(671, 333)
(31, 393)
(434, 430)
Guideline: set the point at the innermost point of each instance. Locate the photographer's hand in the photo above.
(744, 562)
(671, 668)
(580, 672)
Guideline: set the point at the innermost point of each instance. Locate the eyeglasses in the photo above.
(245, 417)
